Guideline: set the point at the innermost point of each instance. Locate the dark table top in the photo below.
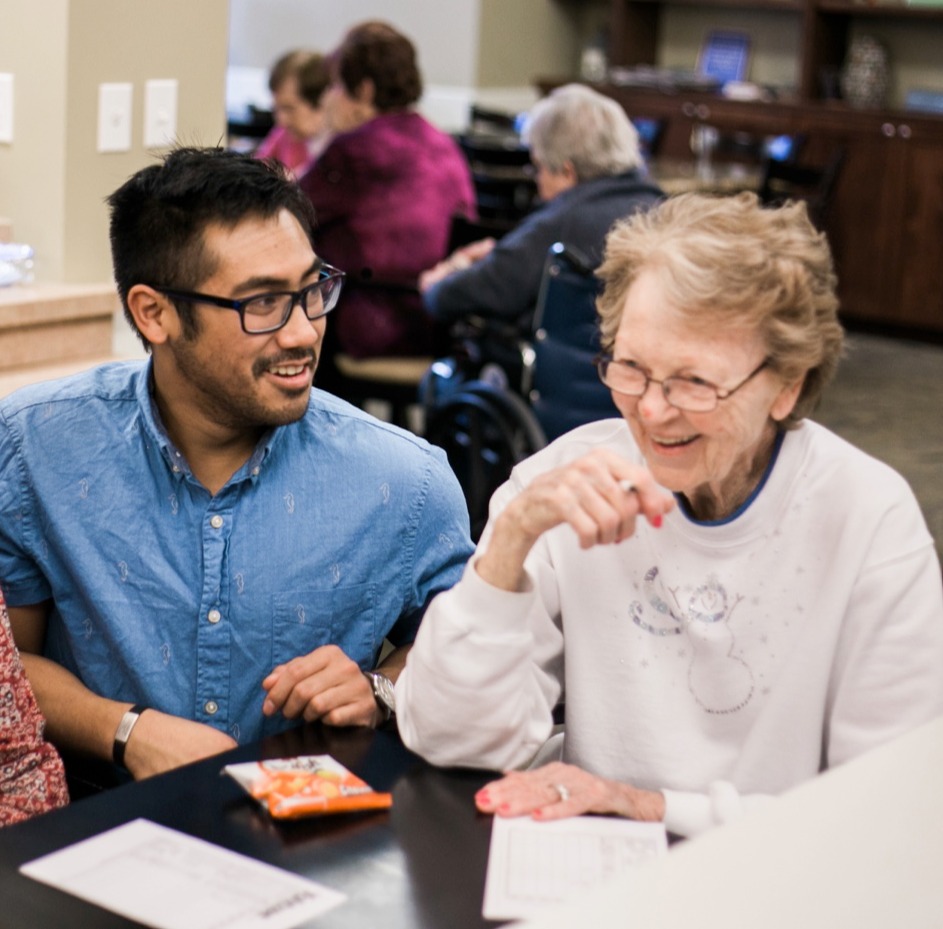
(417, 866)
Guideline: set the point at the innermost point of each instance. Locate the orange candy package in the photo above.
(308, 785)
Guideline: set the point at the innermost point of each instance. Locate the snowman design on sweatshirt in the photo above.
(719, 680)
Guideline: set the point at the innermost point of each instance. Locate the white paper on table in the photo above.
(168, 880)
(534, 864)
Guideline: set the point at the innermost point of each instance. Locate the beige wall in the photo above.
(32, 171)
(53, 181)
(444, 31)
(522, 39)
(489, 51)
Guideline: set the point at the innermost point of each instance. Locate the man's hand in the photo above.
(324, 684)
(160, 742)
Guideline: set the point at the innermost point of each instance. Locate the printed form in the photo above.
(532, 865)
(168, 880)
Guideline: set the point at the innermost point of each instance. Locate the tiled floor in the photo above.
(887, 399)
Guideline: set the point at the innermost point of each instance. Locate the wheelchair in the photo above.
(503, 394)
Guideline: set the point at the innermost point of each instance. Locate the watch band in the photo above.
(382, 688)
(123, 732)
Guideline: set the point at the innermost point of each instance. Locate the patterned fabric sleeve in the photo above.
(32, 779)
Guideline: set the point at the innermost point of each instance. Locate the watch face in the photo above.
(383, 689)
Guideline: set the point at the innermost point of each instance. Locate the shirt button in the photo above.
(255, 472)
(216, 522)
(211, 706)
(214, 616)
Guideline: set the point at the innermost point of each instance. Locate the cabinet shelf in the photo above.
(887, 210)
(825, 28)
(780, 6)
(887, 11)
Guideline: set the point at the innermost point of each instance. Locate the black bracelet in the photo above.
(123, 733)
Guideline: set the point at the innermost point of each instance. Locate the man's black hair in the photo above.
(159, 215)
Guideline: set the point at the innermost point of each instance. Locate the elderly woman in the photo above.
(297, 81)
(385, 191)
(586, 154)
(729, 597)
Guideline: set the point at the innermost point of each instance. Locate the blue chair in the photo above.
(564, 389)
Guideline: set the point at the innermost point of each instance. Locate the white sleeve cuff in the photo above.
(687, 814)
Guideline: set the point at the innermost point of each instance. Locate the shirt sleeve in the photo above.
(440, 544)
(503, 285)
(886, 678)
(479, 685)
(32, 779)
(688, 813)
(23, 582)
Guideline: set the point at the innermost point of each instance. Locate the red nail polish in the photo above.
(656, 521)
(504, 808)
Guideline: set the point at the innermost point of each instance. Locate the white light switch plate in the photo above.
(160, 113)
(6, 109)
(114, 117)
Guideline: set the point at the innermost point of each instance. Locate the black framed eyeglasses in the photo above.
(262, 313)
(691, 394)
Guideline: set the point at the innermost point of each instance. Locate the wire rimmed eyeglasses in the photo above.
(269, 312)
(691, 394)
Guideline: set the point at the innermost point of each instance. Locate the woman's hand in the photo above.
(558, 790)
(599, 495)
(459, 260)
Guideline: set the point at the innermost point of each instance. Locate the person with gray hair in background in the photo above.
(586, 154)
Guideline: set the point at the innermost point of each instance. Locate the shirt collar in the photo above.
(173, 457)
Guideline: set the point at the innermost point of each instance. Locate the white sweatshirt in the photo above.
(711, 661)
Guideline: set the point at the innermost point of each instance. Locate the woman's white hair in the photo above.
(577, 124)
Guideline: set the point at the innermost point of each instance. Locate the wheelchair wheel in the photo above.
(529, 435)
(484, 432)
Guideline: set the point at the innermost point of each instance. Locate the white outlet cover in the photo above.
(6, 109)
(160, 113)
(114, 117)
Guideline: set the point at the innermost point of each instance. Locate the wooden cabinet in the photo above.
(825, 29)
(886, 220)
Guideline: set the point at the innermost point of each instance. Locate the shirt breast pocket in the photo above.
(310, 618)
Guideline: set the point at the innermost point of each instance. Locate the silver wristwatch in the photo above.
(382, 692)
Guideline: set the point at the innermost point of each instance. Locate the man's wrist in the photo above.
(382, 688)
(123, 733)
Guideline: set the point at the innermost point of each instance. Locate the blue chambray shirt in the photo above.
(339, 529)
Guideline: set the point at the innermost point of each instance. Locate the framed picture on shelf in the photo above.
(724, 56)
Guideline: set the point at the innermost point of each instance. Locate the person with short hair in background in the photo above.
(297, 81)
(586, 154)
(385, 191)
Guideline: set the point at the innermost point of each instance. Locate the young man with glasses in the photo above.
(202, 536)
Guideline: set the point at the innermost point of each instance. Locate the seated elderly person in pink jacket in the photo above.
(384, 191)
(728, 597)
